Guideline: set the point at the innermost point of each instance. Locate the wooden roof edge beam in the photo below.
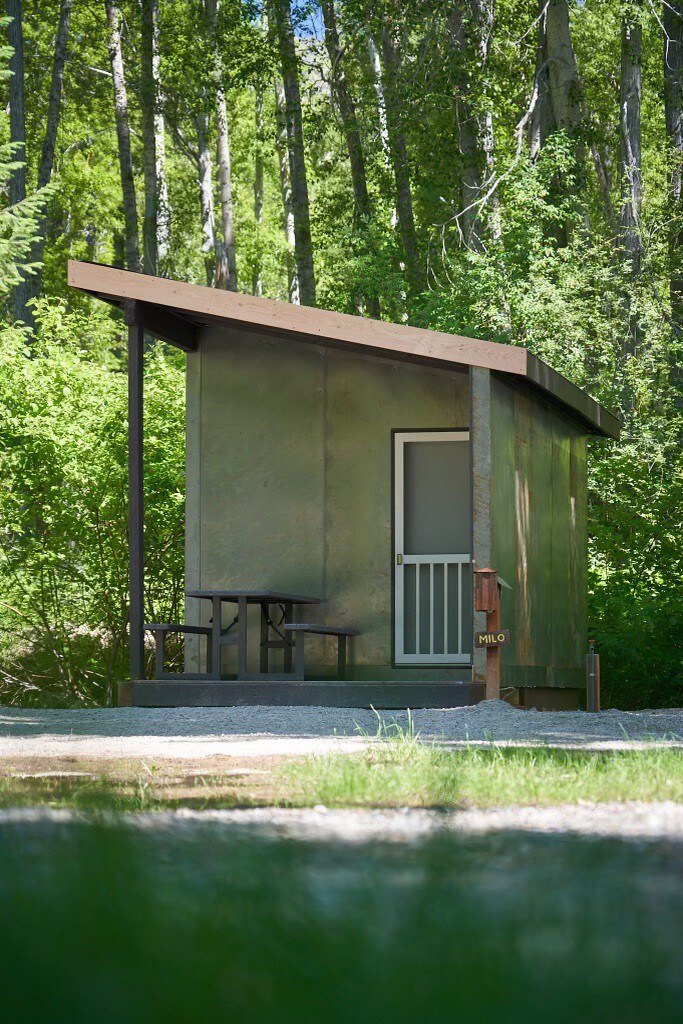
(162, 298)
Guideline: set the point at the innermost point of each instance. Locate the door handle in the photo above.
(399, 559)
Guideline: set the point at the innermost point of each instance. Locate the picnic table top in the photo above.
(254, 596)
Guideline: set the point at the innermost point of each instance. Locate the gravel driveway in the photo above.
(259, 731)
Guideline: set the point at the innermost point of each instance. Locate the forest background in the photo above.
(509, 169)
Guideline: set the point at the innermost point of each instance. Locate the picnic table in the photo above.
(273, 634)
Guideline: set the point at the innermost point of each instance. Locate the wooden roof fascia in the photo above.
(568, 394)
(324, 326)
(172, 310)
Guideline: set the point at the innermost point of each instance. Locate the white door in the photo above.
(432, 542)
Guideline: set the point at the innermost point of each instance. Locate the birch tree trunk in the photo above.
(563, 75)
(630, 166)
(226, 272)
(148, 102)
(256, 283)
(21, 293)
(286, 191)
(205, 182)
(130, 215)
(673, 113)
(51, 127)
(542, 117)
(415, 272)
(281, 18)
(163, 205)
(376, 67)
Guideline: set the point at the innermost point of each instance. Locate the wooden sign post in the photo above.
(487, 599)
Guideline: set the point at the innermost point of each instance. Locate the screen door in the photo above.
(432, 539)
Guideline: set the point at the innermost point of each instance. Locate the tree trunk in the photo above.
(348, 116)
(542, 117)
(148, 103)
(21, 293)
(226, 272)
(281, 17)
(286, 191)
(560, 105)
(673, 112)
(163, 205)
(205, 182)
(563, 74)
(469, 24)
(417, 279)
(130, 215)
(630, 89)
(156, 225)
(376, 67)
(362, 212)
(51, 127)
(256, 282)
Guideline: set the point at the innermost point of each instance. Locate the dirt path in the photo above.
(630, 821)
(254, 732)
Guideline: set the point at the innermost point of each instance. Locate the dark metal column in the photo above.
(135, 491)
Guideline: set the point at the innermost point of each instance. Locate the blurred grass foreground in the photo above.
(164, 919)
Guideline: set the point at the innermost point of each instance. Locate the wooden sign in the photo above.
(497, 638)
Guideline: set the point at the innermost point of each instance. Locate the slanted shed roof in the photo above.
(172, 310)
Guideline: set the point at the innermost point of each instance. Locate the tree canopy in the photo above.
(510, 169)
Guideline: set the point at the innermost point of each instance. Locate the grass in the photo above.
(397, 772)
(405, 772)
(187, 921)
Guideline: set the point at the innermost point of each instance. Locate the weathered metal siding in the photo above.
(294, 489)
(539, 535)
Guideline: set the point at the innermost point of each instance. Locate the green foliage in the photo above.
(63, 498)
(405, 772)
(573, 304)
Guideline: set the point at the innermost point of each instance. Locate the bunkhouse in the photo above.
(347, 481)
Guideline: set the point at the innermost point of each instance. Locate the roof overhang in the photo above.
(173, 311)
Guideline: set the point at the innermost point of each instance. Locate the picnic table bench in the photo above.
(283, 634)
(300, 629)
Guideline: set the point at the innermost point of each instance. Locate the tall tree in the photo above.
(156, 223)
(21, 292)
(210, 247)
(256, 282)
(559, 104)
(469, 24)
(391, 62)
(226, 271)
(286, 191)
(673, 112)
(347, 115)
(163, 206)
(281, 20)
(51, 128)
(130, 215)
(341, 93)
(630, 160)
(148, 102)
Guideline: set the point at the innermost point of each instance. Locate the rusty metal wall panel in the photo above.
(538, 511)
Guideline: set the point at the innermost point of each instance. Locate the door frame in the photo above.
(399, 435)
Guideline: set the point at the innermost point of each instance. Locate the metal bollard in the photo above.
(592, 678)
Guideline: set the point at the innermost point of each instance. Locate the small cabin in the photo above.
(367, 470)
